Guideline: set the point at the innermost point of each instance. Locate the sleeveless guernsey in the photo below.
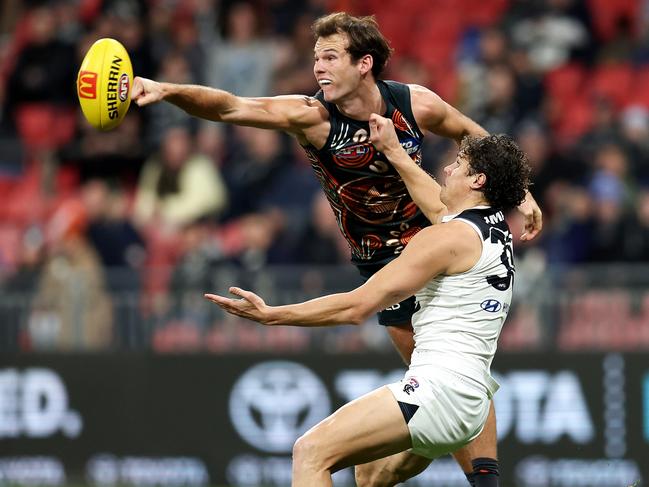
(460, 316)
(374, 211)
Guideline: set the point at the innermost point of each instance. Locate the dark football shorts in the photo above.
(397, 314)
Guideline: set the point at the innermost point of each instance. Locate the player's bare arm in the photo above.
(435, 115)
(450, 248)
(423, 189)
(438, 117)
(297, 114)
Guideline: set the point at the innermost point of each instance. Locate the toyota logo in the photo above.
(273, 403)
(491, 305)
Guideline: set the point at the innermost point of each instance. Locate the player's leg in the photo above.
(390, 471)
(361, 431)
(479, 459)
(402, 337)
(397, 320)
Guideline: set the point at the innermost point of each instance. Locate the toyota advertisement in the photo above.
(109, 420)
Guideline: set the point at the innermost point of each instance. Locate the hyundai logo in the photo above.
(491, 305)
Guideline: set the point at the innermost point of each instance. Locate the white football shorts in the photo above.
(444, 410)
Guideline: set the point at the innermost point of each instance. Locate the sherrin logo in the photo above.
(87, 84)
(123, 87)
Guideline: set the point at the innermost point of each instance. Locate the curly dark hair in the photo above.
(364, 37)
(504, 164)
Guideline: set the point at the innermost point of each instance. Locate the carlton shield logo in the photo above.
(273, 403)
(87, 84)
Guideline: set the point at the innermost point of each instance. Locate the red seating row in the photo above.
(604, 320)
(573, 90)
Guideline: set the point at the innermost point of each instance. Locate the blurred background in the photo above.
(113, 368)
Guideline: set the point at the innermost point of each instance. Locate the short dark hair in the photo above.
(363, 34)
(504, 164)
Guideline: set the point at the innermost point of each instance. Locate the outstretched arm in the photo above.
(423, 188)
(435, 115)
(291, 113)
(447, 248)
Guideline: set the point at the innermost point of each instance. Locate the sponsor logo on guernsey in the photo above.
(411, 385)
(491, 305)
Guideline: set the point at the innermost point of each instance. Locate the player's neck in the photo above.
(364, 101)
(471, 201)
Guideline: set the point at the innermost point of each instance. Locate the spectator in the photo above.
(43, 71)
(243, 62)
(72, 309)
(254, 169)
(500, 113)
(607, 243)
(636, 245)
(122, 252)
(321, 242)
(178, 186)
(194, 274)
(19, 289)
(634, 127)
(174, 69)
(554, 35)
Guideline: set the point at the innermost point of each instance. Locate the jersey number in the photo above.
(502, 283)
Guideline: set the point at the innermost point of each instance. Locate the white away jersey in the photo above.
(460, 316)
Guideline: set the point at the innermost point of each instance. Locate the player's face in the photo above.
(456, 181)
(336, 73)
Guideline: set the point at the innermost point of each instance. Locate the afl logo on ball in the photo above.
(123, 87)
(87, 85)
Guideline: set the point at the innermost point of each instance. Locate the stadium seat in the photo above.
(639, 92)
(434, 42)
(44, 125)
(565, 81)
(482, 13)
(612, 82)
(574, 120)
(522, 330)
(596, 320)
(607, 14)
(26, 202)
(10, 243)
(177, 336)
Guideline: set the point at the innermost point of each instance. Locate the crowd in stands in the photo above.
(126, 222)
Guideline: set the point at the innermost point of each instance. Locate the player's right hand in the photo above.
(145, 91)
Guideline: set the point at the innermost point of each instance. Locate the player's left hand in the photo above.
(251, 306)
(533, 218)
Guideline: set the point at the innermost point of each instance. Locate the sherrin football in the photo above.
(104, 84)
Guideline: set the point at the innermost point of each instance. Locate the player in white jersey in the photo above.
(462, 272)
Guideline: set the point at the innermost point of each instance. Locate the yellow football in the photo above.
(104, 84)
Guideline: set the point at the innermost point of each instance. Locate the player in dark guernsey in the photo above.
(375, 210)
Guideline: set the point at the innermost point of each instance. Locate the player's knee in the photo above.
(307, 454)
